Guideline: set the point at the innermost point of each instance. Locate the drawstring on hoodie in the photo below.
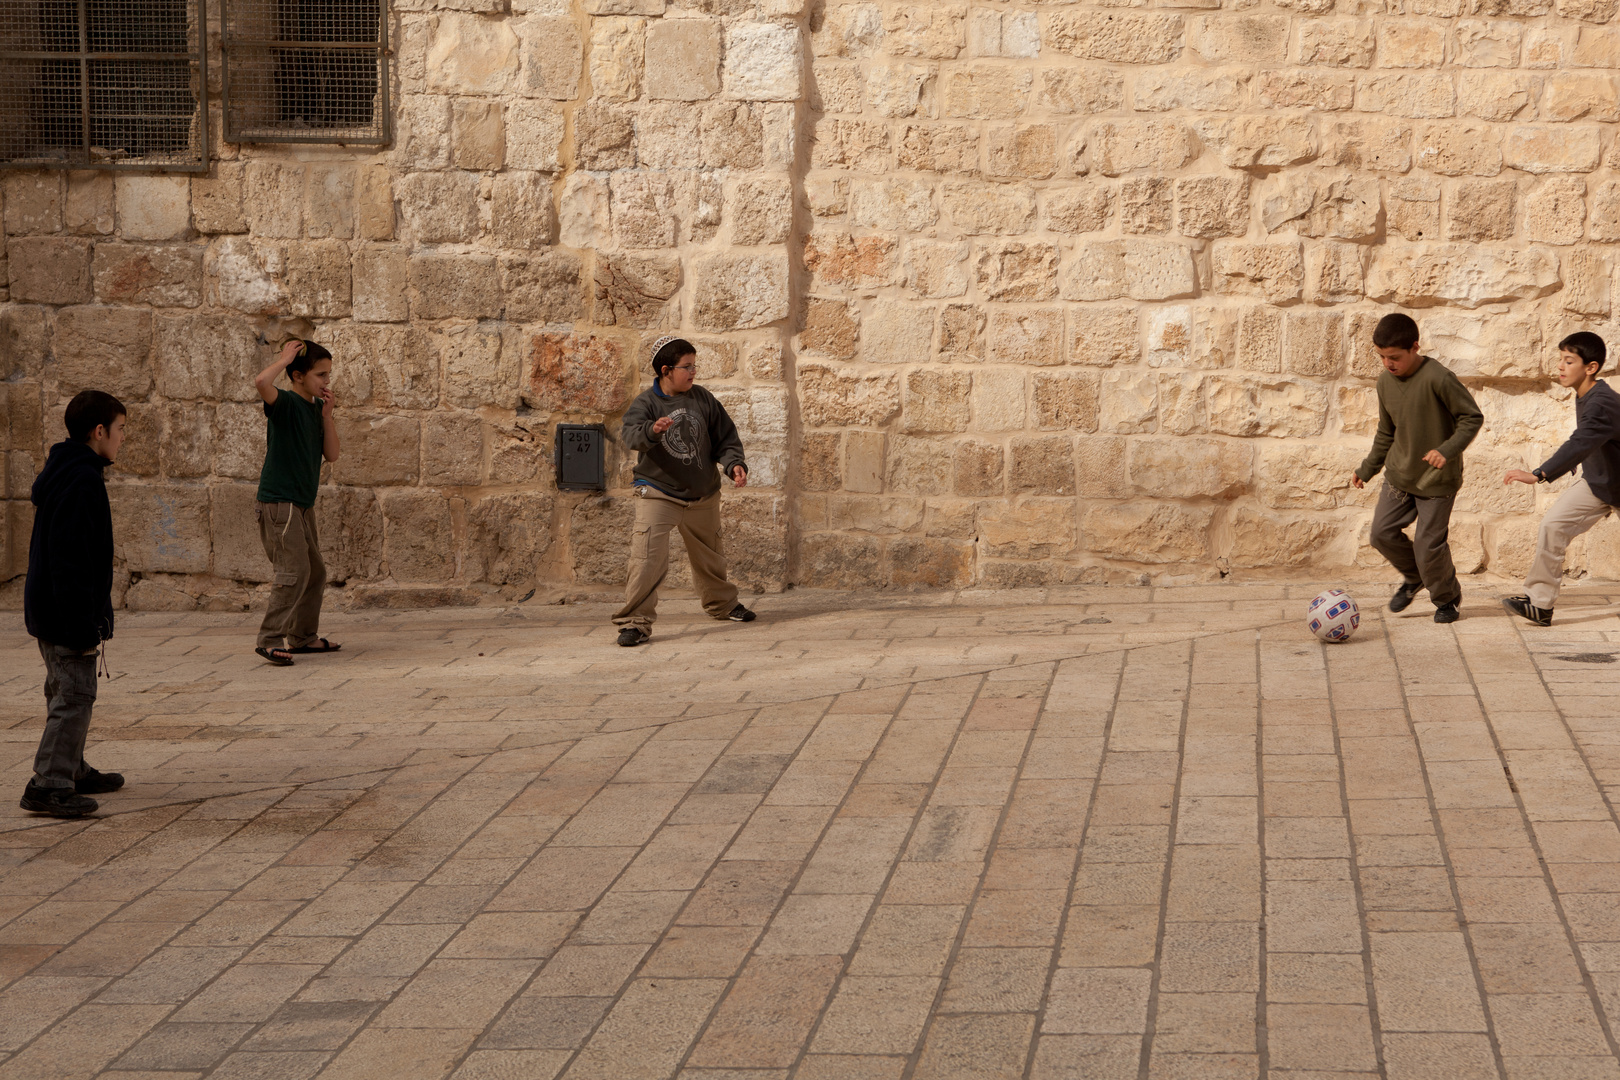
(103, 669)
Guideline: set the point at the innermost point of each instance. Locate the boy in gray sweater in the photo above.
(681, 432)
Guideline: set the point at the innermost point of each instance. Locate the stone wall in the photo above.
(998, 292)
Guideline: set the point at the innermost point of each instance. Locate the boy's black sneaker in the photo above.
(741, 614)
(1522, 607)
(1447, 612)
(632, 635)
(1404, 596)
(96, 782)
(56, 801)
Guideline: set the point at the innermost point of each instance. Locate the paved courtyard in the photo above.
(1077, 833)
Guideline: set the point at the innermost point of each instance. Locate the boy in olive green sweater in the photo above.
(1426, 418)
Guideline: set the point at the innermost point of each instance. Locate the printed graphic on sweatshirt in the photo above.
(682, 437)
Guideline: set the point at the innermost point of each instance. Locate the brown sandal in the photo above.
(278, 657)
(324, 646)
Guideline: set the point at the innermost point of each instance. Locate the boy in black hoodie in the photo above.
(681, 432)
(1595, 447)
(67, 600)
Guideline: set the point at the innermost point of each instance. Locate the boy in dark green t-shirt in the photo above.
(299, 433)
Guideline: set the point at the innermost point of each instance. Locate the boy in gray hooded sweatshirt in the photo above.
(681, 432)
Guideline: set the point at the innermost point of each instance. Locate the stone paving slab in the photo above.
(1099, 832)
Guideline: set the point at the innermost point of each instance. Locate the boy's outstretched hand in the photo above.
(1435, 458)
(739, 476)
(661, 425)
(1520, 475)
(1356, 481)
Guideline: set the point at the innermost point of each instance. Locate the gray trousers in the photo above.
(70, 692)
(293, 618)
(1425, 559)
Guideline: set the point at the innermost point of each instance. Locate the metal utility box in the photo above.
(579, 457)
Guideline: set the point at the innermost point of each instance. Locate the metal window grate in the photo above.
(306, 71)
(113, 84)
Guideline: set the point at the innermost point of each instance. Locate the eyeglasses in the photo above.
(684, 367)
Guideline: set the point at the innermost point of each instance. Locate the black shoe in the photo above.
(741, 614)
(1522, 607)
(632, 635)
(1403, 597)
(96, 782)
(56, 801)
(1447, 612)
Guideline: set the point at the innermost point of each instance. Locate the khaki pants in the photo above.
(1576, 511)
(1426, 558)
(293, 618)
(699, 522)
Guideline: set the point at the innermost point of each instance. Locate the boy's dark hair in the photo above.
(88, 409)
(669, 354)
(306, 359)
(1395, 331)
(1586, 345)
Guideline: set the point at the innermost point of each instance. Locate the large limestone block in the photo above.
(91, 198)
(447, 286)
(1460, 149)
(936, 401)
(1120, 36)
(33, 202)
(617, 47)
(329, 201)
(631, 290)
(351, 529)
(842, 561)
(1265, 540)
(1212, 206)
(1462, 274)
(1487, 346)
(838, 143)
(440, 207)
(834, 397)
(1587, 283)
(153, 207)
(1104, 336)
(452, 449)
(1335, 273)
(1042, 466)
(520, 211)
(1552, 148)
(186, 449)
(238, 441)
(238, 552)
(1377, 145)
(162, 275)
(763, 62)
(1201, 90)
(1324, 91)
(480, 366)
(421, 132)
(374, 202)
(1182, 335)
(857, 262)
(161, 528)
(1077, 208)
(1555, 211)
(897, 332)
(896, 89)
(1272, 271)
(380, 276)
(761, 416)
(1130, 402)
(936, 30)
(987, 92)
(317, 278)
(1145, 204)
(273, 196)
(1284, 408)
(478, 137)
(1070, 91)
(1028, 528)
(1315, 343)
(577, 372)
(1239, 38)
(1182, 409)
(865, 464)
(1493, 95)
(419, 543)
(534, 135)
(1067, 401)
(1413, 209)
(552, 57)
(1191, 468)
(49, 269)
(1116, 147)
(1313, 476)
(978, 470)
(507, 536)
(936, 269)
(207, 357)
(377, 450)
(1250, 141)
(216, 201)
(390, 367)
(246, 275)
(1000, 209)
(1025, 336)
(1425, 96)
(1016, 271)
(24, 341)
(896, 204)
(738, 292)
(1148, 532)
(1259, 338)
(599, 533)
(831, 327)
(472, 54)
(930, 562)
(102, 348)
(1481, 210)
(683, 59)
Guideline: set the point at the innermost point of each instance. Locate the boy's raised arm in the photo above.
(265, 381)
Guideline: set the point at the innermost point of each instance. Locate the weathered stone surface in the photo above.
(631, 290)
(1315, 343)
(1281, 407)
(1130, 403)
(1273, 271)
(1104, 336)
(736, 292)
(830, 327)
(452, 449)
(1491, 346)
(1077, 208)
(153, 207)
(1067, 401)
(49, 269)
(1555, 211)
(830, 397)
(1016, 271)
(897, 332)
(1120, 146)
(1414, 209)
(316, 278)
(216, 201)
(552, 57)
(1191, 468)
(207, 357)
(838, 259)
(1148, 532)
(380, 277)
(440, 207)
(508, 536)
(1025, 336)
(377, 450)
(762, 62)
(159, 275)
(988, 208)
(1250, 141)
(761, 212)
(472, 54)
(577, 372)
(480, 366)
(1481, 210)
(1458, 274)
(1308, 477)
(936, 401)
(1264, 540)
(1145, 204)
(616, 58)
(33, 202)
(534, 135)
(418, 536)
(1548, 148)
(102, 348)
(455, 286)
(986, 92)
(478, 137)
(161, 528)
(1120, 36)
(1211, 206)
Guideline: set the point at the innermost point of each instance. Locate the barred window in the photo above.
(306, 71)
(112, 84)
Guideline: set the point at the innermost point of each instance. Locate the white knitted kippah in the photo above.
(665, 340)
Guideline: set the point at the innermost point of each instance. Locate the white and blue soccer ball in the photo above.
(1333, 616)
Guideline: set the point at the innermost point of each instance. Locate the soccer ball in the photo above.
(1333, 616)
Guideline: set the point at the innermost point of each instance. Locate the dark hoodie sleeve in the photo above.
(1469, 417)
(78, 565)
(724, 439)
(636, 430)
(1594, 426)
